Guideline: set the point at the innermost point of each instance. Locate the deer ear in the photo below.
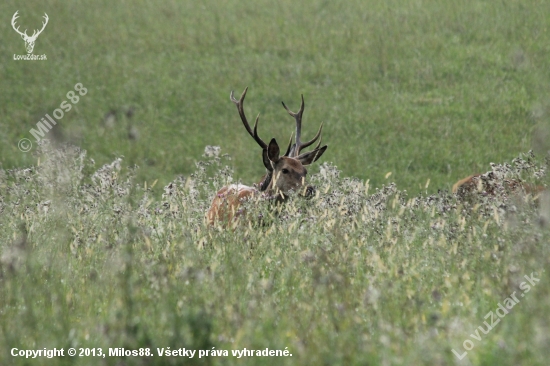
(310, 157)
(266, 161)
(273, 151)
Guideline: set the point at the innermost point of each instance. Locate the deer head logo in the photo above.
(29, 40)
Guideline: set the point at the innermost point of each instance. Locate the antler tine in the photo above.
(298, 118)
(43, 24)
(295, 150)
(310, 142)
(319, 143)
(288, 149)
(13, 19)
(239, 103)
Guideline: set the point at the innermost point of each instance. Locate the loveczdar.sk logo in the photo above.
(29, 40)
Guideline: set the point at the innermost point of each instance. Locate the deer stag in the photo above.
(284, 173)
(29, 41)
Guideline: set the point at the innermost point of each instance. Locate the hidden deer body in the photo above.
(486, 184)
(283, 173)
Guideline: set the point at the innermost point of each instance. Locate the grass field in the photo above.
(378, 269)
(426, 90)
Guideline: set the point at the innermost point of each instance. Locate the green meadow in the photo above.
(425, 90)
(103, 242)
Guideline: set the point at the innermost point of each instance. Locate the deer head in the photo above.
(287, 172)
(29, 41)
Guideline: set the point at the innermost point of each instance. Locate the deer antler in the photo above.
(239, 104)
(13, 19)
(35, 34)
(298, 146)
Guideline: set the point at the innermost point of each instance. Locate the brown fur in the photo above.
(466, 183)
(474, 184)
(225, 206)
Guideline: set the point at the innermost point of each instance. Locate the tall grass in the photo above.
(356, 275)
(102, 234)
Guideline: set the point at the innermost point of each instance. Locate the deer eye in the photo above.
(285, 171)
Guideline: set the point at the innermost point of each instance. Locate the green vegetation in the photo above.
(354, 276)
(427, 90)
(104, 244)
